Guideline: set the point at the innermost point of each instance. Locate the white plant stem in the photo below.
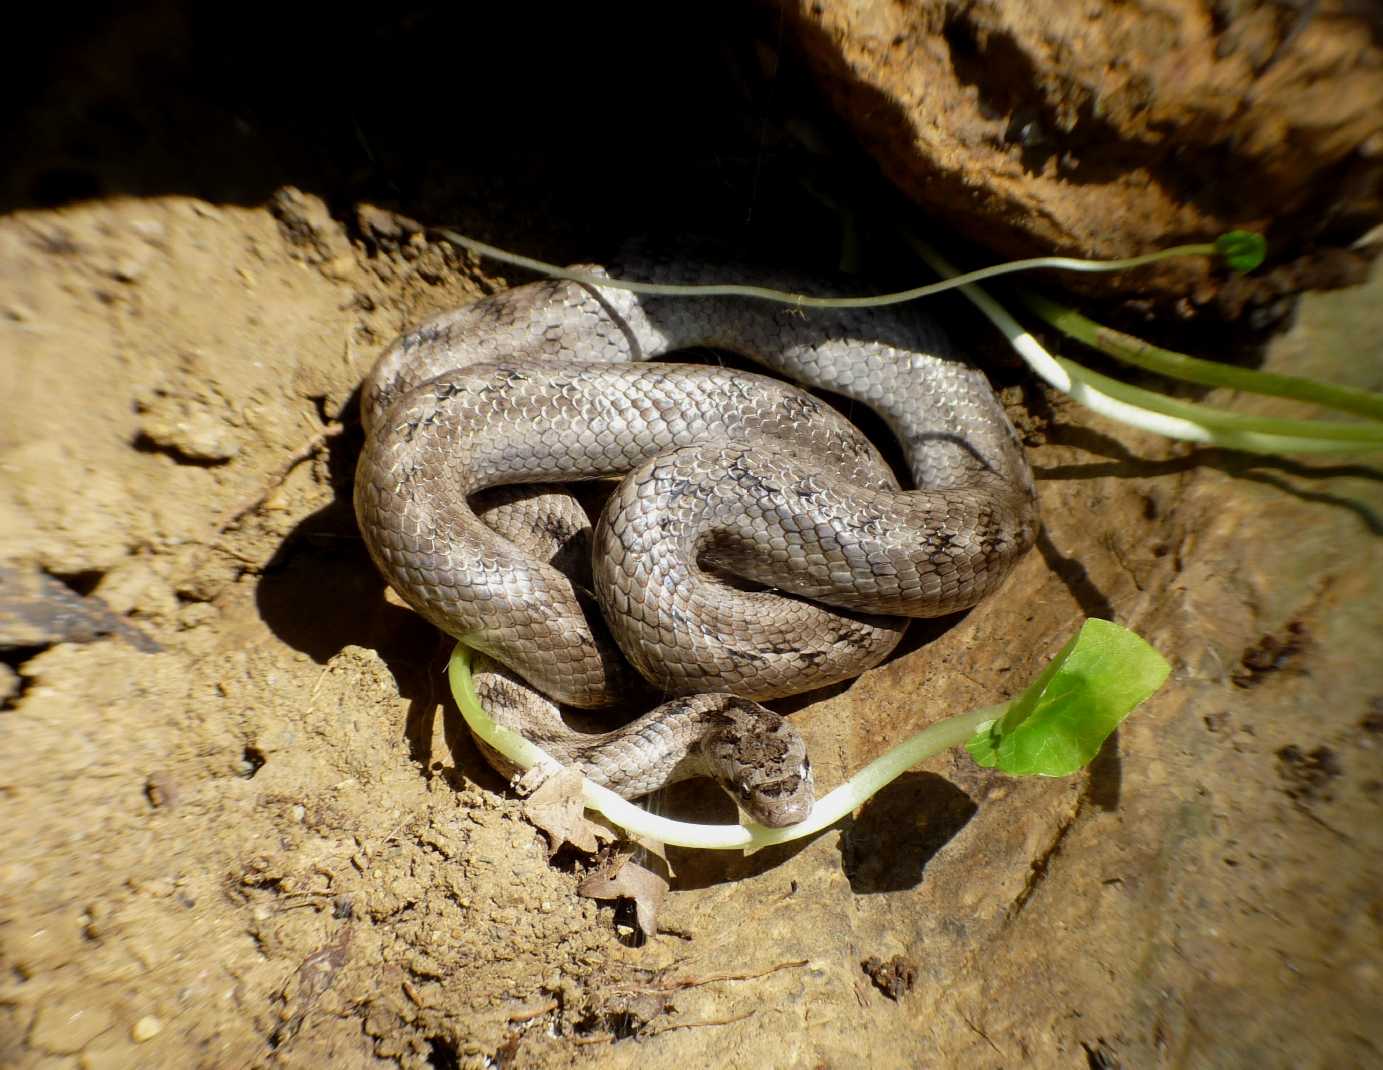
(637, 821)
(1096, 400)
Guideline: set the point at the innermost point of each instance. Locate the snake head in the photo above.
(761, 762)
(784, 801)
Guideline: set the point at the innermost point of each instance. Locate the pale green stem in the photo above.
(787, 297)
(1078, 383)
(1131, 350)
(1345, 435)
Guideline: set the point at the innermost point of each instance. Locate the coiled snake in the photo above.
(757, 546)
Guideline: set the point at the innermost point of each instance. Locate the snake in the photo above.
(757, 543)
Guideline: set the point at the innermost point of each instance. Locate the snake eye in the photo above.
(744, 790)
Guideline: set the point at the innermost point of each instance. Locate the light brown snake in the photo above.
(757, 546)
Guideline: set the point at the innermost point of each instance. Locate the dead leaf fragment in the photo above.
(556, 808)
(37, 610)
(623, 878)
(893, 978)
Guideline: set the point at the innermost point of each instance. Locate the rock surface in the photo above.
(1108, 130)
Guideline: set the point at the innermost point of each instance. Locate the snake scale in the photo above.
(757, 545)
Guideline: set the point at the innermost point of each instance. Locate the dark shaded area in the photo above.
(1105, 776)
(1101, 1056)
(252, 760)
(1372, 721)
(442, 1054)
(598, 123)
(1306, 777)
(1088, 596)
(146, 443)
(886, 847)
(324, 553)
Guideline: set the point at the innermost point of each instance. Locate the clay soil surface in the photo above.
(242, 824)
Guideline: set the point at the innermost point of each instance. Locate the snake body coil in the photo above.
(733, 483)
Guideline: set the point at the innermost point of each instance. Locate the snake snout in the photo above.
(782, 802)
(759, 759)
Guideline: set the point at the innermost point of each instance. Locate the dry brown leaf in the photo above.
(556, 809)
(623, 878)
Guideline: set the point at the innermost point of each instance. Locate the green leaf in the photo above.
(1058, 724)
(1242, 250)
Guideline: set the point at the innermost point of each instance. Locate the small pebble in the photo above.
(151, 230)
(339, 268)
(195, 614)
(157, 887)
(127, 269)
(145, 1029)
(161, 790)
(192, 433)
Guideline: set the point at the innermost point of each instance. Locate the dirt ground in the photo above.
(242, 825)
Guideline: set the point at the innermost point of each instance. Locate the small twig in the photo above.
(698, 1025)
(302, 453)
(980, 1033)
(1306, 813)
(245, 559)
(679, 934)
(321, 679)
(527, 1014)
(676, 984)
(296, 900)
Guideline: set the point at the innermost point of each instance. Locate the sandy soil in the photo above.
(243, 827)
